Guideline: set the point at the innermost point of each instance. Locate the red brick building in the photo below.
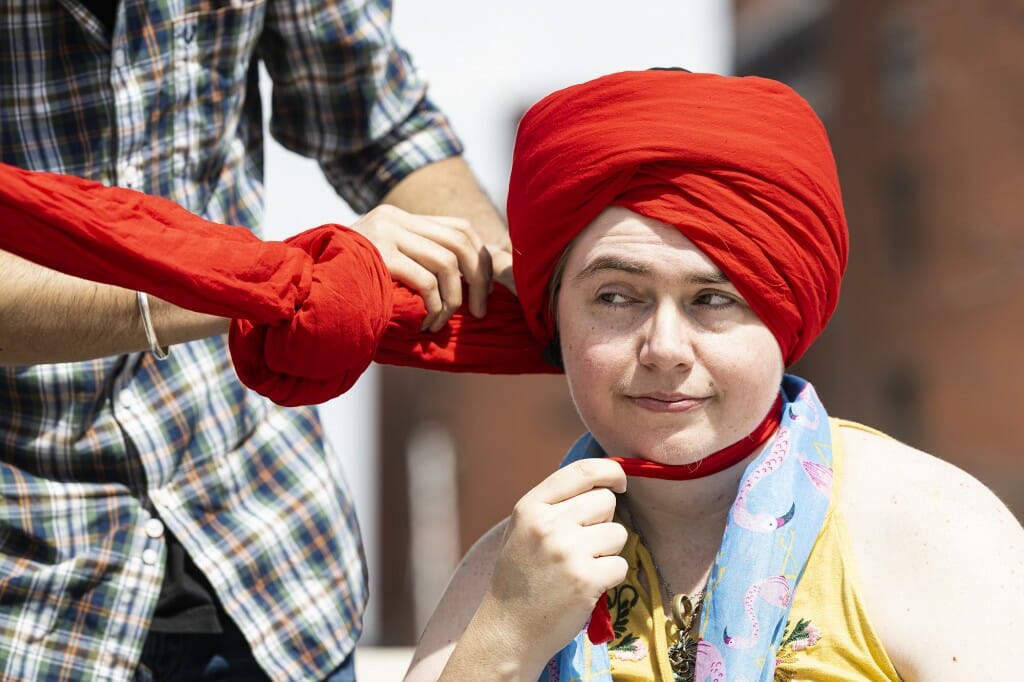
(922, 104)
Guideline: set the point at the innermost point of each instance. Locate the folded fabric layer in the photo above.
(741, 166)
(309, 314)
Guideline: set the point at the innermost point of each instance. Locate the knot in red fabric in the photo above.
(741, 166)
(333, 336)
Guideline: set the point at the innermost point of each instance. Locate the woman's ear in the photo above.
(553, 352)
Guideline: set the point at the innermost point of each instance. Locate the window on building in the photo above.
(901, 77)
(903, 222)
(900, 388)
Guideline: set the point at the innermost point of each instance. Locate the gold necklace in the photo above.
(682, 654)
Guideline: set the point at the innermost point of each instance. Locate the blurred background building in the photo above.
(923, 106)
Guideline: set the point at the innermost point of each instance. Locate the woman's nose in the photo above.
(667, 338)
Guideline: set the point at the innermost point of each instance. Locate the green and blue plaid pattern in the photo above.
(169, 104)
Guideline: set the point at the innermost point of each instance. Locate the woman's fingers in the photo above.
(560, 549)
(589, 508)
(577, 478)
(567, 518)
(604, 539)
(609, 570)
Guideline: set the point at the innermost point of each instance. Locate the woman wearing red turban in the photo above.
(680, 239)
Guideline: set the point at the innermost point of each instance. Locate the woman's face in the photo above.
(664, 358)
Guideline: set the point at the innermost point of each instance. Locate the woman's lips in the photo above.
(666, 402)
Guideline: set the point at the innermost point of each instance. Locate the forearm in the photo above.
(489, 650)
(51, 317)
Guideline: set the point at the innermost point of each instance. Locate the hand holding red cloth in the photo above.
(310, 313)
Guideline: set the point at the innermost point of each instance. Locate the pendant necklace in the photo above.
(682, 654)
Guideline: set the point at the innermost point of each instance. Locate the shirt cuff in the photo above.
(423, 138)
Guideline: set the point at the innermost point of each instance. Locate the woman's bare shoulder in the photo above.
(886, 477)
(456, 607)
(938, 554)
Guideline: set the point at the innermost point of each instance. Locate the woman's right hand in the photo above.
(558, 556)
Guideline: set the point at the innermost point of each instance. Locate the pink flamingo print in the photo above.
(710, 666)
(820, 475)
(805, 403)
(775, 591)
(763, 523)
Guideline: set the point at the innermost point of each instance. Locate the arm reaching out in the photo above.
(309, 313)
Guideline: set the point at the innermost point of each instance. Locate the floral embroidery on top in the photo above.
(802, 636)
(626, 646)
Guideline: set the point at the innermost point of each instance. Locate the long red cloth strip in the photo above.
(132, 240)
(310, 313)
(599, 629)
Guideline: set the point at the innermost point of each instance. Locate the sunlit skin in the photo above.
(655, 336)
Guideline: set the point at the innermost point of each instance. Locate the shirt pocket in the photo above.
(213, 46)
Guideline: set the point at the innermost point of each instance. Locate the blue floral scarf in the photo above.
(778, 512)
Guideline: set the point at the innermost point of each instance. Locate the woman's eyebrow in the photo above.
(713, 276)
(611, 262)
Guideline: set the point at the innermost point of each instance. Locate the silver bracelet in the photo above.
(159, 352)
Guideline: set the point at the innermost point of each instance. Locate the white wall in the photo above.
(486, 62)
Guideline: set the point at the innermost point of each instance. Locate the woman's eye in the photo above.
(614, 298)
(715, 299)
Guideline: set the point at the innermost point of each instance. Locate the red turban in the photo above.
(741, 166)
(310, 313)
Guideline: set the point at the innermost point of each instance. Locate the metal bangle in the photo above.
(159, 352)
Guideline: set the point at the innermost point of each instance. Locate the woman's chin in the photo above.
(659, 454)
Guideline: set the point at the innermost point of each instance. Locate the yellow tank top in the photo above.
(828, 635)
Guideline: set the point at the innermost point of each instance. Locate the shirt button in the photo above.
(154, 528)
(120, 59)
(130, 177)
(149, 556)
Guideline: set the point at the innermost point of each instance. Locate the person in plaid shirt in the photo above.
(157, 519)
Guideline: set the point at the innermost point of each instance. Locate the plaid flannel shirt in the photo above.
(169, 104)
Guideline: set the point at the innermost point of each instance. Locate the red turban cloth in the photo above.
(309, 314)
(741, 166)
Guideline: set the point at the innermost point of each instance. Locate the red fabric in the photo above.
(118, 236)
(741, 166)
(599, 629)
(332, 338)
(311, 313)
(713, 463)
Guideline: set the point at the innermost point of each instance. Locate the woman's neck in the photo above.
(682, 522)
(694, 503)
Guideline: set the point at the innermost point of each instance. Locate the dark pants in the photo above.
(210, 658)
